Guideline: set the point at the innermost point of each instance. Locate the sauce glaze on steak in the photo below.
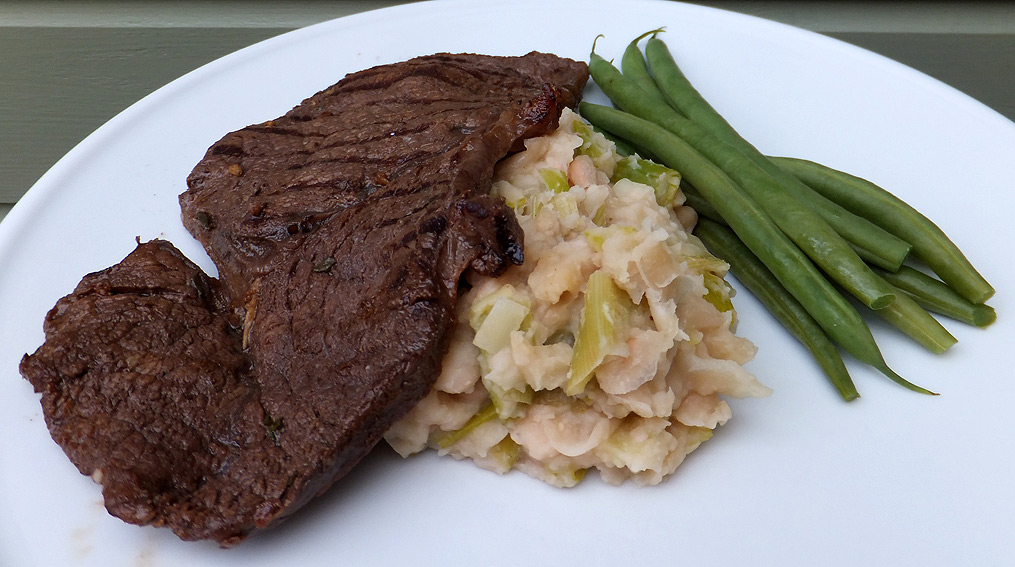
(340, 231)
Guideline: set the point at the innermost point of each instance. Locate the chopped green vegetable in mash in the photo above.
(601, 331)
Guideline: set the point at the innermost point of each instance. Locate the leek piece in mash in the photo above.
(601, 329)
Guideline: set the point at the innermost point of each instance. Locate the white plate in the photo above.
(800, 478)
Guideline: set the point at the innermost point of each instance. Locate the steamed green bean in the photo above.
(930, 244)
(934, 295)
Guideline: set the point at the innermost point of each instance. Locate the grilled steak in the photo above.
(425, 133)
(340, 231)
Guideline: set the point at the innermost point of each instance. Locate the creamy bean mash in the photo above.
(611, 347)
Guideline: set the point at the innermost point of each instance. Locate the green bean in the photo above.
(907, 316)
(703, 208)
(759, 280)
(633, 65)
(759, 233)
(804, 227)
(873, 243)
(930, 244)
(905, 313)
(682, 95)
(934, 295)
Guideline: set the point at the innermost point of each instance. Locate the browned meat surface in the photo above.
(340, 232)
(425, 133)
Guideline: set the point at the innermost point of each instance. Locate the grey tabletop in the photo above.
(67, 67)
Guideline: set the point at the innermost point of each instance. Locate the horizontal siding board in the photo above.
(57, 85)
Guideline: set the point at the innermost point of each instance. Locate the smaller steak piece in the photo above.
(340, 232)
(145, 386)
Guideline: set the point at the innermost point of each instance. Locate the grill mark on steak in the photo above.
(340, 230)
(338, 161)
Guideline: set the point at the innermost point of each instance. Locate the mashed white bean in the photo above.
(610, 348)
